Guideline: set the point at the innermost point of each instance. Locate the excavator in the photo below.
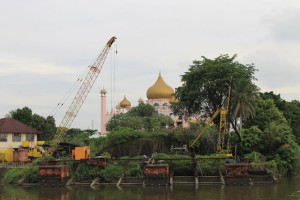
(223, 146)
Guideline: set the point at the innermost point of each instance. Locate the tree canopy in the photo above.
(206, 84)
(141, 117)
(45, 125)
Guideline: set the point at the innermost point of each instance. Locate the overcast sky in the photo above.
(46, 45)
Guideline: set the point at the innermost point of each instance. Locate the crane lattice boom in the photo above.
(80, 97)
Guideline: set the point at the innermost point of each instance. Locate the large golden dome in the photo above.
(160, 90)
(125, 103)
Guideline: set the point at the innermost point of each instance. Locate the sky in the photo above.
(45, 46)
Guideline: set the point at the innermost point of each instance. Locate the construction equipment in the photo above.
(223, 142)
(34, 151)
(79, 98)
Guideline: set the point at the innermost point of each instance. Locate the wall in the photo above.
(11, 144)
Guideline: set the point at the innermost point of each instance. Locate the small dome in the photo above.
(160, 90)
(173, 100)
(103, 91)
(141, 100)
(125, 103)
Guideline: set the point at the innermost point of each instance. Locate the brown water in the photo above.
(287, 188)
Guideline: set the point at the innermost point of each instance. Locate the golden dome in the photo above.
(173, 100)
(141, 100)
(125, 103)
(160, 90)
(103, 91)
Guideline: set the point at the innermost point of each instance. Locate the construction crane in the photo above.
(88, 81)
(223, 142)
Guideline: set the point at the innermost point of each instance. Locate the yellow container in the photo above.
(26, 144)
(81, 153)
(6, 155)
(40, 143)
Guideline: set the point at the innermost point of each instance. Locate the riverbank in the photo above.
(159, 170)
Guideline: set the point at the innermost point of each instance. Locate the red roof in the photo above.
(10, 125)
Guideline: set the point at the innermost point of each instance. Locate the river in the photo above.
(286, 188)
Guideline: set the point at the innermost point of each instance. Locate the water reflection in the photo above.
(287, 188)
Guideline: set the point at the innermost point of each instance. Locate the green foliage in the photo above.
(142, 110)
(97, 144)
(292, 114)
(209, 167)
(112, 171)
(85, 172)
(206, 84)
(106, 154)
(266, 112)
(121, 135)
(180, 167)
(42, 159)
(255, 156)
(272, 167)
(142, 117)
(250, 139)
(244, 94)
(16, 174)
(44, 125)
(134, 168)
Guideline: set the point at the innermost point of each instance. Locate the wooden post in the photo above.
(196, 170)
(123, 175)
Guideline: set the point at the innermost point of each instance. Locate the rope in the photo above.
(68, 94)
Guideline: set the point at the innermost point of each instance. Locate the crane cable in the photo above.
(113, 78)
(68, 94)
(71, 91)
(116, 50)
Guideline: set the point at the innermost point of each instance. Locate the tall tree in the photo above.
(266, 113)
(23, 115)
(244, 94)
(44, 125)
(206, 84)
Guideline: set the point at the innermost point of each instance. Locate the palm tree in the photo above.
(244, 94)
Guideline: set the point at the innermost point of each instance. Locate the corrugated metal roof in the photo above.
(10, 125)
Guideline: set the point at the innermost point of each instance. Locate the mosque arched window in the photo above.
(156, 104)
(165, 104)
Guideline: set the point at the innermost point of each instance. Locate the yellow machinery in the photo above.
(35, 151)
(87, 83)
(6, 155)
(223, 142)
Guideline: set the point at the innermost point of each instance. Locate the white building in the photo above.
(13, 133)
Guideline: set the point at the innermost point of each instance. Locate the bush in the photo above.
(16, 174)
(210, 167)
(112, 171)
(85, 172)
(179, 167)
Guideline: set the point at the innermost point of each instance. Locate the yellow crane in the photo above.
(223, 143)
(88, 81)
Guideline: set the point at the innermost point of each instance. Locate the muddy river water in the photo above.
(287, 188)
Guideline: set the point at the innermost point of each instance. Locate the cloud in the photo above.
(275, 71)
(284, 25)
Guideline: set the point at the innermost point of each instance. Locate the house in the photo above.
(13, 133)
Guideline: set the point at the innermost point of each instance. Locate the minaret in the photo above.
(103, 111)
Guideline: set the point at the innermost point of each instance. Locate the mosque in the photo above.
(159, 95)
